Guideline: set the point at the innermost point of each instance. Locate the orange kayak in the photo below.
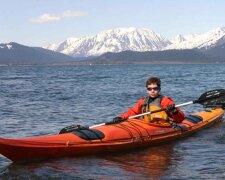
(126, 135)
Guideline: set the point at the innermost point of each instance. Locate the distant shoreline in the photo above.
(94, 64)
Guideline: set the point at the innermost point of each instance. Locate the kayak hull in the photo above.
(127, 135)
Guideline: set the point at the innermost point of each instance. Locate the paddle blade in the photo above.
(215, 103)
(213, 98)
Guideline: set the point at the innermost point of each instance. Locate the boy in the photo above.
(152, 102)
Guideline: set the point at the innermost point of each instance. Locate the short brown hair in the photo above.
(155, 80)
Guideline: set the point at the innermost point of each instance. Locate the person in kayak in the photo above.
(154, 101)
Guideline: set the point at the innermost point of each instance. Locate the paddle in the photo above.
(213, 98)
(210, 99)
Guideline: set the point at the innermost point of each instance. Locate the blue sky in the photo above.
(42, 22)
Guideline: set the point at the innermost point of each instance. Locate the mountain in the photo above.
(187, 56)
(207, 40)
(123, 45)
(218, 51)
(134, 39)
(115, 40)
(14, 53)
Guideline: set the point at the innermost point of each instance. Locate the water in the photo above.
(43, 100)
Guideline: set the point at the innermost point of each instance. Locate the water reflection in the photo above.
(151, 162)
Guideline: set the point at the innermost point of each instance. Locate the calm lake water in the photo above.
(42, 100)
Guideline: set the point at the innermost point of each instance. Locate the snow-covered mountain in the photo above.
(207, 40)
(115, 40)
(136, 39)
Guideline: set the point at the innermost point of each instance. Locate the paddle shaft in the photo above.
(139, 115)
(207, 96)
(163, 109)
(210, 99)
(204, 97)
(97, 125)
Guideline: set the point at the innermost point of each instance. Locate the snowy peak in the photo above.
(115, 40)
(122, 39)
(131, 33)
(7, 46)
(178, 39)
(206, 40)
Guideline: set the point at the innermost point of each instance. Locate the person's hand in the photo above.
(118, 119)
(171, 108)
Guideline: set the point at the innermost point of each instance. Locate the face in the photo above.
(153, 90)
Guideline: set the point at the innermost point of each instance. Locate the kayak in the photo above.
(126, 135)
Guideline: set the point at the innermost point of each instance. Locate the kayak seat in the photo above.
(193, 118)
(88, 134)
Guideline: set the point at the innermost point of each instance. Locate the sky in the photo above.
(43, 22)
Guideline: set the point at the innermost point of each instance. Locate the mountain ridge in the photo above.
(14, 53)
(115, 40)
(136, 39)
(146, 47)
(186, 56)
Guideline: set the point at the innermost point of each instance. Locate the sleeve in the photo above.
(178, 117)
(136, 109)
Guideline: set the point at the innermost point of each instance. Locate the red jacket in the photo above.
(137, 109)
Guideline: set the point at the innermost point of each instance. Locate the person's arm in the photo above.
(177, 114)
(136, 109)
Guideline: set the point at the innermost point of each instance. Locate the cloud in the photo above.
(45, 18)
